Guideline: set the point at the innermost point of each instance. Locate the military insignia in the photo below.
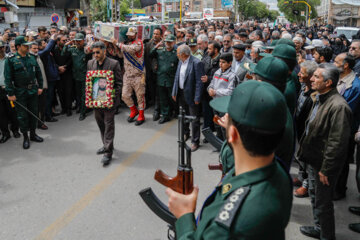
(228, 211)
(226, 188)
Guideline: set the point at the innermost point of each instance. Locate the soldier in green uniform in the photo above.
(167, 65)
(254, 199)
(80, 54)
(195, 51)
(23, 81)
(275, 72)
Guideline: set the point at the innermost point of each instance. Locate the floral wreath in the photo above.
(110, 92)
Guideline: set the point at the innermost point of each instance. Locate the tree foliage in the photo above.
(288, 8)
(254, 9)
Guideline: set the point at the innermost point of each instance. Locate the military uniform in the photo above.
(79, 66)
(23, 79)
(253, 204)
(167, 65)
(134, 77)
(199, 54)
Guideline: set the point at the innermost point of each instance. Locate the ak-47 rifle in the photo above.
(181, 183)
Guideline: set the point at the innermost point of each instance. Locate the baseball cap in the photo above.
(20, 40)
(79, 37)
(255, 104)
(170, 38)
(272, 69)
(315, 43)
(132, 31)
(284, 51)
(286, 41)
(192, 42)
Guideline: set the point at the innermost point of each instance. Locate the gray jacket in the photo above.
(240, 73)
(223, 82)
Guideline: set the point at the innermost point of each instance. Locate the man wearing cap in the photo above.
(180, 36)
(254, 200)
(167, 65)
(80, 56)
(323, 146)
(239, 58)
(7, 113)
(195, 51)
(23, 81)
(134, 77)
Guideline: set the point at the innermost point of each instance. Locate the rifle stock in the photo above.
(181, 183)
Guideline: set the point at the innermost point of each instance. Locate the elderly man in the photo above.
(355, 52)
(227, 41)
(303, 107)
(349, 87)
(202, 42)
(134, 77)
(323, 146)
(187, 90)
(239, 58)
(105, 116)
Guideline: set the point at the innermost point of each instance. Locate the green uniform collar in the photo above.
(231, 182)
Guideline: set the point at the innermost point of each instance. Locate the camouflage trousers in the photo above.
(130, 85)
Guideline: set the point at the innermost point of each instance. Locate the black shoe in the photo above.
(205, 140)
(156, 116)
(355, 227)
(51, 119)
(186, 137)
(355, 210)
(164, 120)
(101, 151)
(338, 196)
(106, 159)
(55, 114)
(26, 142)
(310, 231)
(35, 138)
(69, 113)
(5, 138)
(82, 117)
(16, 134)
(43, 127)
(194, 147)
(138, 123)
(130, 119)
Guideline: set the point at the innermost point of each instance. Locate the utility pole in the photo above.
(162, 10)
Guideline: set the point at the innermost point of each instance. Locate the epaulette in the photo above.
(10, 55)
(233, 203)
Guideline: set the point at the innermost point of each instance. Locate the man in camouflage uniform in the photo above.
(23, 84)
(80, 54)
(134, 77)
(167, 65)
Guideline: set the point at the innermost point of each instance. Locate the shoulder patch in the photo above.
(231, 206)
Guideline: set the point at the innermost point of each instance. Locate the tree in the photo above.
(273, 14)
(255, 9)
(288, 8)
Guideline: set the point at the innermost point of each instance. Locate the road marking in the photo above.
(52, 230)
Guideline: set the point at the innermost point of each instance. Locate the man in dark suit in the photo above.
(105, 116)
(187, 90)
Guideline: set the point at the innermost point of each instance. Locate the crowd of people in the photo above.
(316, 71)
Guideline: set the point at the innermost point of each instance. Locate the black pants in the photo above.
(322, 204)
(357, 172)
(41, 105)
(7, 115)
(192, 111)
(341, 187)
(49, 98)
(208, 114)
(65, 90)
(106, 123)
(80, 95)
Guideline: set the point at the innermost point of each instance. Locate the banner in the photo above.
(208, 13)
(227, 3)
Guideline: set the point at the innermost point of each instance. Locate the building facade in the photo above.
(340, 12)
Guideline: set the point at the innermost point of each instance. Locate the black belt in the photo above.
(29, 86)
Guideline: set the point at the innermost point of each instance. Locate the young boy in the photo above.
(224, 80)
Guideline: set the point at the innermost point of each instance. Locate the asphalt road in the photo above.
(59, 190)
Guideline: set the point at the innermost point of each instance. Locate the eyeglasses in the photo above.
(353, 48)
(226, 41)
(96, 52)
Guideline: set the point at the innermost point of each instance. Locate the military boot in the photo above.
(133, 113)
(141, 118)
(26, 143)
(34, 137)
